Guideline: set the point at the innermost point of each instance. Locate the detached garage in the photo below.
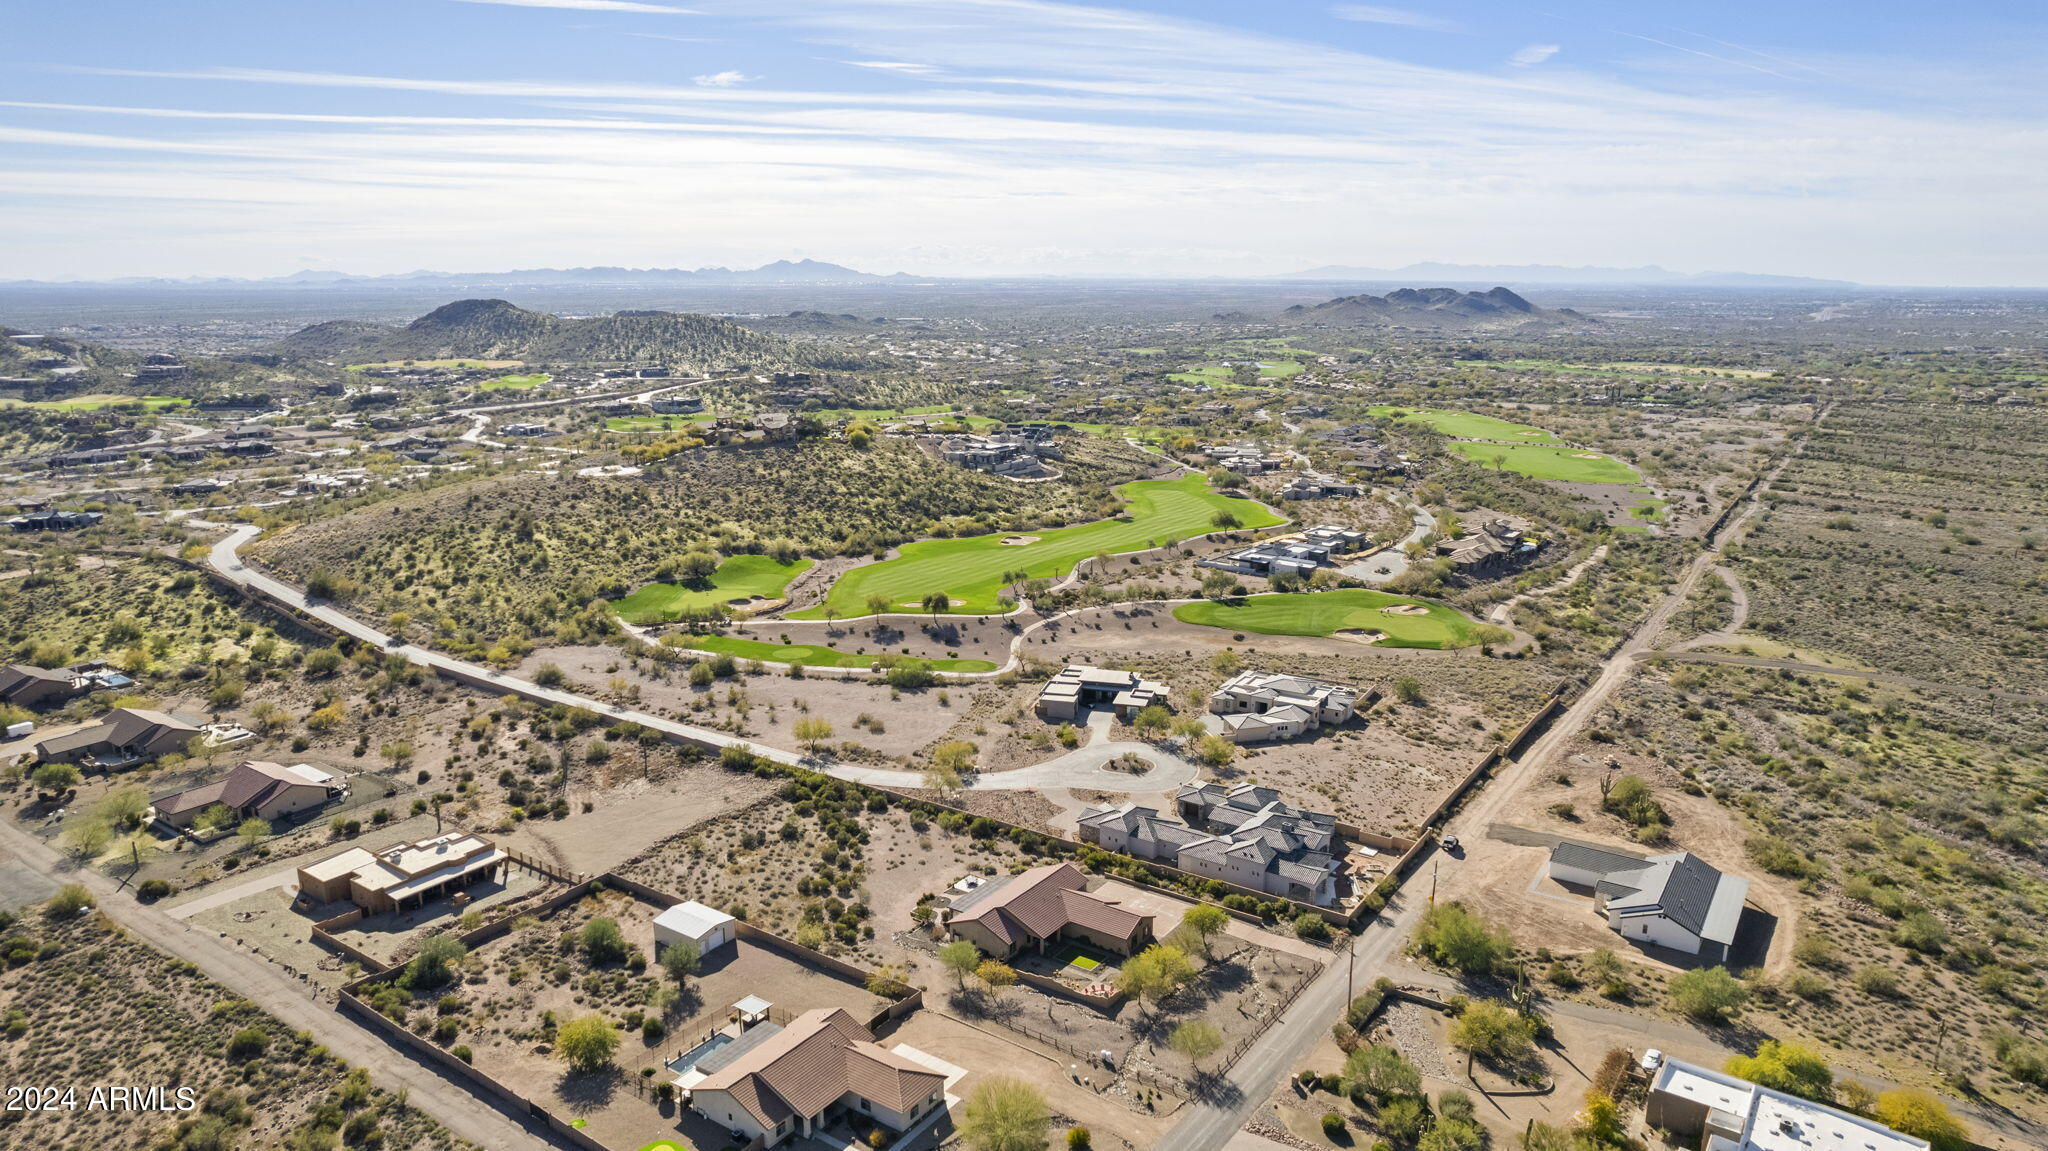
(707, 927)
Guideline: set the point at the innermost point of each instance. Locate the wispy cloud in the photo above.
(1705, 55)
(1398, 17)
(730, 78)
(592, 6)
(1531, 55)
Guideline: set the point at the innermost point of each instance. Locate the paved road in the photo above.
(1210, 1125)
(287, 998)
(1080, 768)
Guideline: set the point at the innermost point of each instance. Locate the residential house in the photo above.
(1242, 835)
(1077, 688)
(1316, 486)
(1297, 553)
(677, 405)
(1257, 705)
(254, 790)
(58, 521)
(527, 429)
(126, 737)
(1675, 900)
(773, 1081)
(404, 875)
(1495, 546)
(691, 922)
(1027, 910)
(1724, 1113)
(24, 686)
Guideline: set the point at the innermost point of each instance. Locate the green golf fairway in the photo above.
(95, 402)
(1467, 425)
(1547, 462)
(1325, 613)
(529, 380)
(810, 655)
(736, 578)
(971, 570)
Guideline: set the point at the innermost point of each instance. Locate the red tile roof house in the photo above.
(1032, 908)
(789, 1080)
(255, 789)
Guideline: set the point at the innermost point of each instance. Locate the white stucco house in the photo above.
(1676, 900)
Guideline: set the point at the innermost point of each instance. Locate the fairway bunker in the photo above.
(1018, 541)
(1588, 456)
(1405, 609)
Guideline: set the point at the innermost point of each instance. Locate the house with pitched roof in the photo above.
(126, 737)
(1025, 911)
(1258, 705)
(1244, 835)
(254, 790)
(773, 1081)
(1676, 900)
(25, 686)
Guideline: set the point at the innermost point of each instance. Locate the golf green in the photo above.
(1550, 462)
(1467, 425)
(528, 380)
(971, 570)
(811, 655)
(736, 579)
(1326, 613)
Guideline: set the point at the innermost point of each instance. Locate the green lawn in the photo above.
(657, 423)
(97, 401)
(880, 413)
(736, 578)
(1467, 425)
(1551, 462)
(528, 380)
(811, 655)
(1324, 613)
(1224, 375)
(970, 570)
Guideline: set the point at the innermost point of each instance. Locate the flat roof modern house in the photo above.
(1077, 688)
(404, 875)
(1258, 705)
(1730, 1114)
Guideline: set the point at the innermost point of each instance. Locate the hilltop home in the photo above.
(1031, 908)
(126, 737)
(1257, 705)
(1676, 900)
(1729, 1114)
(404, 875)
(1078, 688)
(254, 790)
(1242, 835)
(774, 1082)
(1297, 553)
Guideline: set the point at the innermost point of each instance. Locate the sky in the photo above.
(1883, 141)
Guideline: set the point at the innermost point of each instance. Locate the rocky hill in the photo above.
(1446, 308)
(495, 329)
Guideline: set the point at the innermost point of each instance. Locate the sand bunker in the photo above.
(1018, 541)
(1530, 432)
(1588, 456)
(1405, 609)
(1359, 635)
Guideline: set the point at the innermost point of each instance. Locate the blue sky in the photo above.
(1885, 141)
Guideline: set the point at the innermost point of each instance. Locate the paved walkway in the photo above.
(293, 1002)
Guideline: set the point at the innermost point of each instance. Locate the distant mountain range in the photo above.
(779, 272)
(495, 329)
(1649, 275)
(1443, 308)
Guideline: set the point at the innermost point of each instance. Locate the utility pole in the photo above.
(1432, 880)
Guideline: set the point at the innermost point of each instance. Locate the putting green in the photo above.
(970, 570)
(736, 579)
(1326, 613)
(811, 655)
(1550, 462)
(1467, 425)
